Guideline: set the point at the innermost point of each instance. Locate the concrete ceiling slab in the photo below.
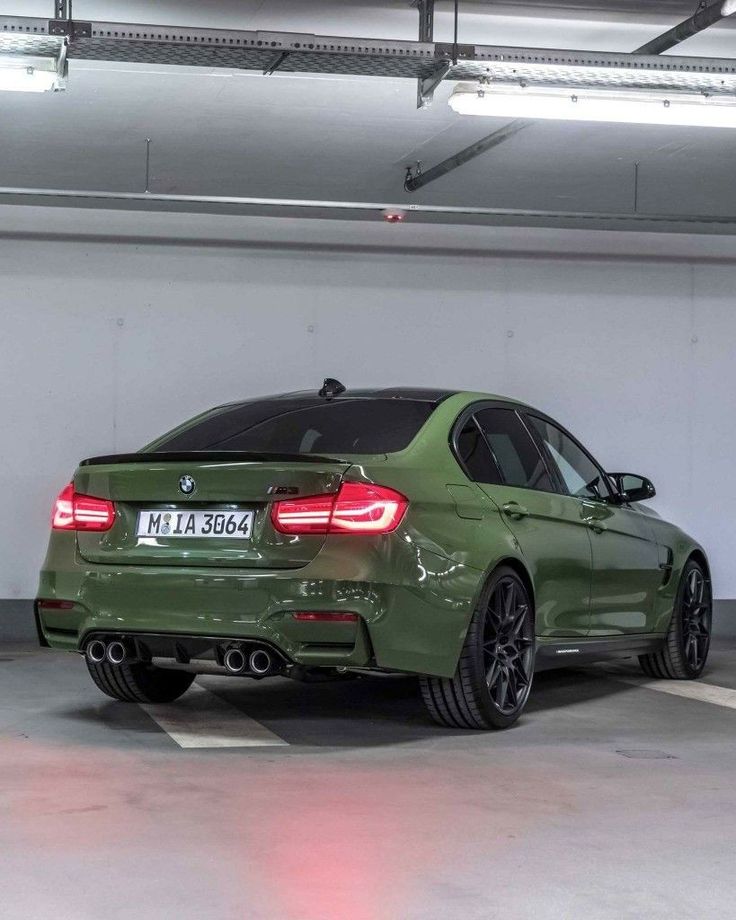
(226, 133)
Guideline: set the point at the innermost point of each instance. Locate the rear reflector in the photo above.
(55, 605)
(326, 617)
(358, 508)
(82, 512)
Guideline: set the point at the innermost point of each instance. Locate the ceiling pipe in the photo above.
(703, 19)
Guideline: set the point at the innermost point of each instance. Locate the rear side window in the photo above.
(475, 455)
(346, 426)
(514, 451)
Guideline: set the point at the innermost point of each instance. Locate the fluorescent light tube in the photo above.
(619, 106)
(21, 74)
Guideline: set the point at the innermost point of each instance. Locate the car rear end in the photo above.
(293, 526)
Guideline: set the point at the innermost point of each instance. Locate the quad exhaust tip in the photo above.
(116, 653)
(260, 662)
(235, 661)
(96, 651)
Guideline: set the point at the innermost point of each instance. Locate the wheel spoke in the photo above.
(513, 690)
(493, 673)
(520, 671)
(509, 604)
(519, 619)
(503, 689)
(692, 583)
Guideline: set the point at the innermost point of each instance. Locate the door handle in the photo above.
(515, 510)
(597, 526)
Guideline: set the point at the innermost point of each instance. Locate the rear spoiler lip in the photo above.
(205, 456)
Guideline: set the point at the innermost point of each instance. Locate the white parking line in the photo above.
(201, 719)
(692, 689)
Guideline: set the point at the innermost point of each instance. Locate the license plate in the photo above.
(236, 525)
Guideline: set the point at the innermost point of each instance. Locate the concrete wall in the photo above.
(106, 343)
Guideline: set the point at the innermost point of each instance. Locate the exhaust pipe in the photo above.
(260, 662)
(96, 650)
(116, 653)
(235, 661)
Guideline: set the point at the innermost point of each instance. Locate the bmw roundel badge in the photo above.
(187, 485)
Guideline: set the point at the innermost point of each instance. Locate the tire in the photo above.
(494, 674)
(138, 682)
(685, 651)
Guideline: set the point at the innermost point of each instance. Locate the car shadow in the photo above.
(363, 712)
(378, 710)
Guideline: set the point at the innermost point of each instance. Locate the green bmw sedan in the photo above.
(465, 538)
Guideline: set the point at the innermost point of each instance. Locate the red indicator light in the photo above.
(358, 508)
(55, 605)
(82, 512)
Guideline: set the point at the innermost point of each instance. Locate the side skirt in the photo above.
(558, 653)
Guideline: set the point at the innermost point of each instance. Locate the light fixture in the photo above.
(623, 105)
(26, 67)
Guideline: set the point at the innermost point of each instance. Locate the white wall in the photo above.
(105, 344)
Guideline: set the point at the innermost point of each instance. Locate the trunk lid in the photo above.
(223, 483)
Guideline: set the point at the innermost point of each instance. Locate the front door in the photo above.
(626, 571)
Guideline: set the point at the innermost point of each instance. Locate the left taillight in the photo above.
(73, 511)
(358, 508)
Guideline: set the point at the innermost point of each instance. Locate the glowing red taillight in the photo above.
(358, 508)
(82, 512)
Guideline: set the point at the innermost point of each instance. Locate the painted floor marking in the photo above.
(691, 689)
(201, 719)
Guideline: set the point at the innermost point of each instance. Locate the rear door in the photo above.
(546, 523)
(626, 571)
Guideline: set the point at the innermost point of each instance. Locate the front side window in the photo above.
(514, 451)
(582, 477)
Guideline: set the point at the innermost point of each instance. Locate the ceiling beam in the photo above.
(363, 210)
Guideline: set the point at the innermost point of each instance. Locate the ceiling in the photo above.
(350, 139)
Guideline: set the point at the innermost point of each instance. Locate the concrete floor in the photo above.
(607, 801)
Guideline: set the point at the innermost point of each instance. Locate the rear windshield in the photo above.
(346, 426)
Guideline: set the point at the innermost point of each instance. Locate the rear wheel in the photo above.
(686, 648)
(494, 675)
(139, 682)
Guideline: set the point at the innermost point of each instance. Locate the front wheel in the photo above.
(494, 675)
(685, 651)
(139, 682)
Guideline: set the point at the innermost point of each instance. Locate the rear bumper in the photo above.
(414, 606)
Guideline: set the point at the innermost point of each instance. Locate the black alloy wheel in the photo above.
(685, 651)
(494, 674)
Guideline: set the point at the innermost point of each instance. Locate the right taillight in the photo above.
(358, 508)
(73, 511)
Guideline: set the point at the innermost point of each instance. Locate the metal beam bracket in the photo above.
(429, 84)
(450, 50)
(276, 63)
(71, 28)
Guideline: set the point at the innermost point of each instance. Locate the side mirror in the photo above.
(633, 488)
